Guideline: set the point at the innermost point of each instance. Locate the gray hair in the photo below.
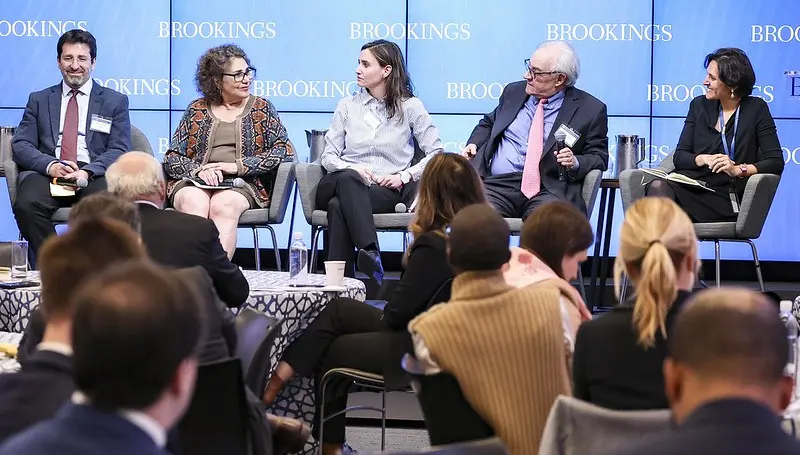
(567, 62)
(135, 175)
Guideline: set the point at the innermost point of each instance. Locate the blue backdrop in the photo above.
(642, 58)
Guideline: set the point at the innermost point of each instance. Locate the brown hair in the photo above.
(210, 68)
(556, 230)
(106, 205)
(655, 237)
(448, 184)
(398, 83)
(86, 249)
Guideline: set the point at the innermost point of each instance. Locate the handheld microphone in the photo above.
(400, 208)
(79, 182)
(235, 183)
(560, 138)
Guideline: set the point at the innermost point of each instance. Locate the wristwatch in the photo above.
(405, 177)
(743, 168)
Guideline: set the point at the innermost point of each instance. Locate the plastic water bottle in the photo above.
(794, 329)
(298, 261)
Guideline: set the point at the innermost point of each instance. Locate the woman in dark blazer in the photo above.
(619, 356)
(751, 141)
(352, 334)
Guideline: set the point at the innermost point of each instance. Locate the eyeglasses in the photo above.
(536, 74)
(239, 76)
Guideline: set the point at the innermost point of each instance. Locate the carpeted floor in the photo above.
(368, 439)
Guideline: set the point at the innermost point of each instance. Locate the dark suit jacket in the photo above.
(220, 334)
(35, 141)
(180, 240)
(610, 369)
(756, 141)
(723, 427)
(34, 393)
(580, 111)
(83, 430)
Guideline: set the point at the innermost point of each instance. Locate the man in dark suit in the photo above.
(45, 381)
(514, 147)
(173, 238)
(73, 130)
(725, 379)
(135, 335)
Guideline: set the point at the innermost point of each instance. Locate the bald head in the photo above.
(478, 239)
(137, 176)
(730, 334)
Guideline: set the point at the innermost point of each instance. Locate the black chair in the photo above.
(492, 446)
(256, 334)
(448, 416)
(217, 419)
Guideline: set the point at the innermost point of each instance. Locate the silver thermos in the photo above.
(630, 152)
(316, 143)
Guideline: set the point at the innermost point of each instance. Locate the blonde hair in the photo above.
(656, 236)
(135, 175)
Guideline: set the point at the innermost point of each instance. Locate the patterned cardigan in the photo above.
(262, 145)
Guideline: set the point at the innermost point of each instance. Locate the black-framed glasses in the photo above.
(536, 74)
(239, 76)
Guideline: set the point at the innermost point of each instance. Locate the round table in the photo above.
(268, 295)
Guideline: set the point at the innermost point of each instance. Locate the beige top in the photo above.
(223, 144)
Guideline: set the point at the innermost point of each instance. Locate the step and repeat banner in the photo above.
(643, 58)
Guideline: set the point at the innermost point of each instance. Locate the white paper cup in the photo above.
(334, 273)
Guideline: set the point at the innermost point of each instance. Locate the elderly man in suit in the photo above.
(135, 336)
(73, 130)
(514, 147)
(45, 382)
(725, 380)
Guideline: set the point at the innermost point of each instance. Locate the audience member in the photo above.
(45, 381)
(725, 379)
(226, 134)
(173, 238)
(619, 356)
(71, 145)
(504, 345)
(135, 334)
(352, 334)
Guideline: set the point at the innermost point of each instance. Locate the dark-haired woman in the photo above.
(227, 133)
(368, 155)
(727, 137)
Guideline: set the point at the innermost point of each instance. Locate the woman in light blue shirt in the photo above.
(375, 151)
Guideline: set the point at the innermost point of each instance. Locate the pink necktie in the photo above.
(69, 136)
(531, 180)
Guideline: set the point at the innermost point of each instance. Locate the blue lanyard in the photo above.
(722, 132)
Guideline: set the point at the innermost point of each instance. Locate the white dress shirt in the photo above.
(83, 112)
(362, 134)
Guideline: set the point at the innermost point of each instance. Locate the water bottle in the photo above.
(298, 261)
(794, 329)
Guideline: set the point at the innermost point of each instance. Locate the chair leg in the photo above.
(256, 249)
(716, 261)
(757, 264)
(314, 247)
(383, 420)
(623, 288)
(321, 418)
(275, 248)
(405, 245)
(582, 286)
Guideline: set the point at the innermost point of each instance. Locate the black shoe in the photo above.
(369, 263)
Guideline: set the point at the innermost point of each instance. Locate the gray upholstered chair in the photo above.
(577, 427)
(139, 143)
(591, 184)
(756, 202)
(274, 214)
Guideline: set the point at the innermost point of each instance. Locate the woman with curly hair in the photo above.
(353, 334)
(226, 134)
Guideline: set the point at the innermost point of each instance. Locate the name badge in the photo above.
(372, 120)
(100, 124)
(572, 136)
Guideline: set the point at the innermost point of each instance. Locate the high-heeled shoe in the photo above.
(288, 435)
(274, 386)
(332, 449)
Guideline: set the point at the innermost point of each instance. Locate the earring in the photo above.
(731, 94)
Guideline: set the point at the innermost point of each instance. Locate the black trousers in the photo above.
(347, 333)
(504, 194)
(350, 205)
(35, 206)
